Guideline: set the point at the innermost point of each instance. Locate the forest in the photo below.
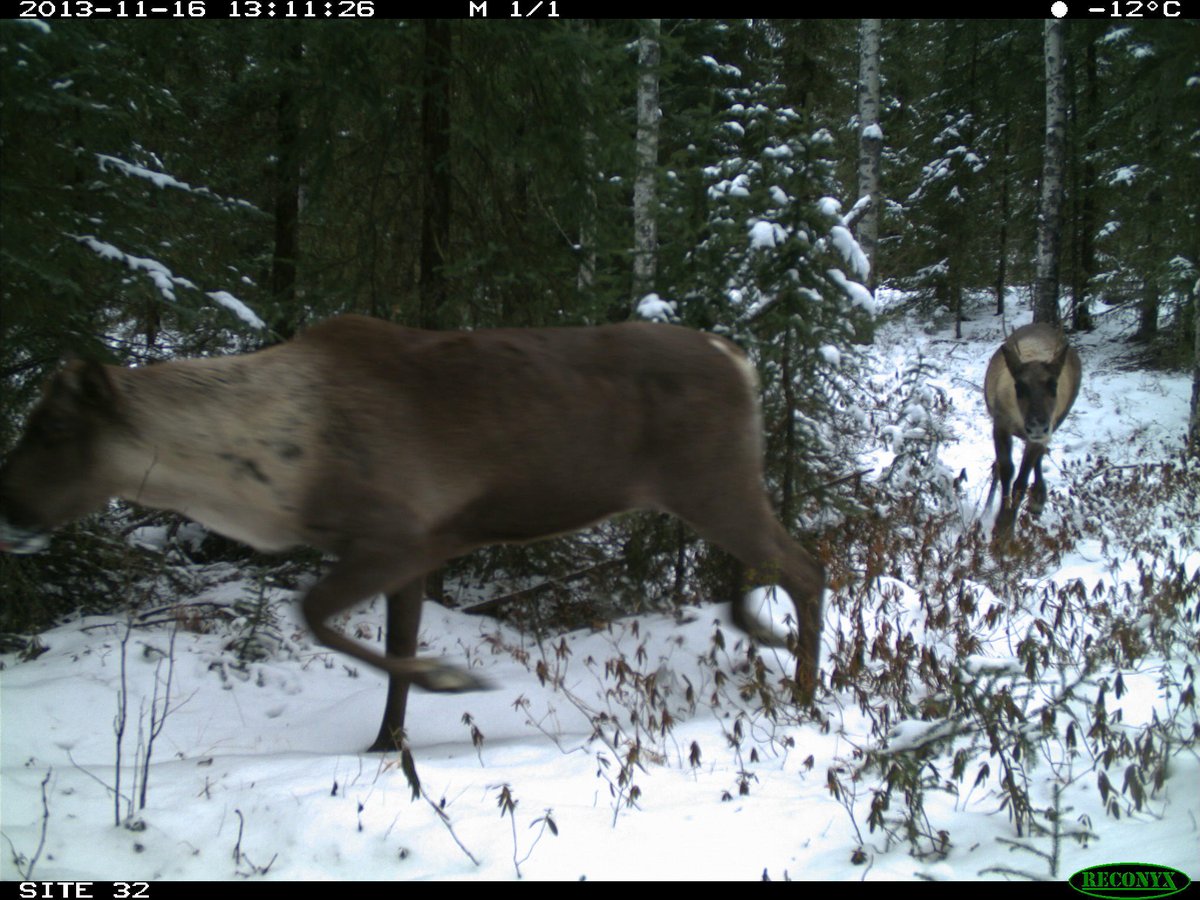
(865, 206)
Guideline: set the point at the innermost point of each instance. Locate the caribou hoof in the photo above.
(1003, 528)
(1036, 504)
(443, 678)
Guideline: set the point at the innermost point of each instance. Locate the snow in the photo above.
(911, 735)
(830, 206)
(165, 280)
(162, 179)
(765, 235)
(850, 251)
(39, 24)
(268, 760)
(722, 68)
(656, 309)
(1124, 175)
(158, 179)
(858, 294)
(861, 202)
(238, 308)
(739, 186)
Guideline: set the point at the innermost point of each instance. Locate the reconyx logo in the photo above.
(1139, 881)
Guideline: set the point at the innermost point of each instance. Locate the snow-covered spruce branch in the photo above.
(165, 280)
(163, 180)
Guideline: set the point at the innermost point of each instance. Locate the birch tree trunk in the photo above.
(1002, 232)
(870, 141)
(1049, 240)
(1194, 419)
(1086, 229)
(645, 224)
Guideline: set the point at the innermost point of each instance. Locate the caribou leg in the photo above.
(400, 640)
(358, 576)
(1037, 493)
(1005, 518)
(750, 531)
(1030, 460)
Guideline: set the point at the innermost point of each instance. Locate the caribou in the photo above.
(1031, 383)
(394, 450)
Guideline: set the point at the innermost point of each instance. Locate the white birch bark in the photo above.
(1194, 419)
(1045, 298)
(645, 223)
(870, 140)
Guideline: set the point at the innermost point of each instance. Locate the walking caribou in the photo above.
(1031, 383)
(395, 449)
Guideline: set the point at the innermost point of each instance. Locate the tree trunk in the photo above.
(586, 276)
(1045, 297)
(870, 142)
(435, 172)
(1194, 419)
(1002, 235)
(1148, 306)
(1086, 226)
(287, 188)
(645, 223)
(791, 453)
(435, 191)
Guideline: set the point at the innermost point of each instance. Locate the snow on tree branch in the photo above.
(163, 180)
(165, 280)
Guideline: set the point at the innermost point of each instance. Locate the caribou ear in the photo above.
(1060, 358)
(1012, 356)
(83, 385)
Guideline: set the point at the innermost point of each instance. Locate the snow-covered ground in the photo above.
(260, 773)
